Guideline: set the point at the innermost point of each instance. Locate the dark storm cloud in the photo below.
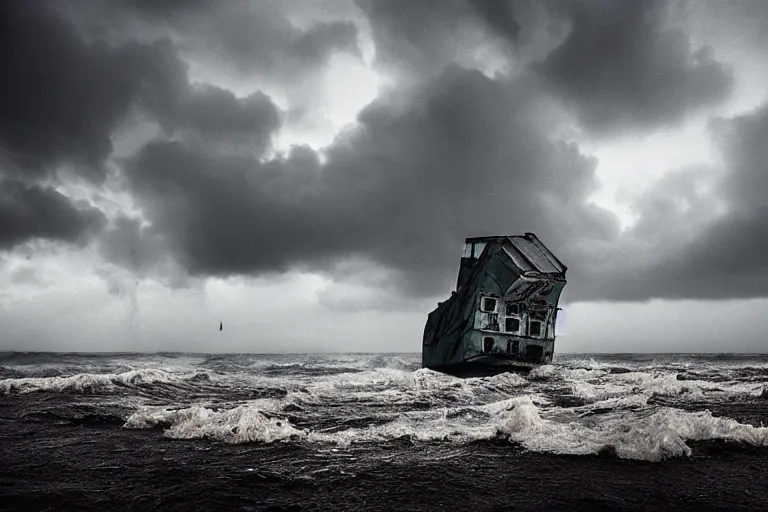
(728, 258)
(622, 66)
(216, 115)
(61, 98)
(130, 245)
(461, 155)
(401, 189)
(619, 65)
(499, 15)
(726, 261)
(250, 37)
(230, 214)
(166, 8)
(452, 155)
(29, 211)
(420, 38)
(683, 246)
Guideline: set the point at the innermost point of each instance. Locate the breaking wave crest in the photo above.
(94, 382)
(242, 424)
(651, 437)
(656, 436)
(645, 409)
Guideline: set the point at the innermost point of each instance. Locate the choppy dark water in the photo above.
(375, 432)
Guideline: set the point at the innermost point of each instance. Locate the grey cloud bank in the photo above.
(448, 148)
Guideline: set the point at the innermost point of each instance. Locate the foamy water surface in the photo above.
(636, 407)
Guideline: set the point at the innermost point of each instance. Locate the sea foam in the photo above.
(579, 407)
(242, 424)
(90, 382)
(653, 437)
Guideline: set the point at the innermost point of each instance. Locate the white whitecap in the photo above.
(242, 424)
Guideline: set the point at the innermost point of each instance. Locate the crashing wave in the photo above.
(243, 424)
(659, 385)
(425, 378)
(654, 437)
(90, 382)
(578, 407)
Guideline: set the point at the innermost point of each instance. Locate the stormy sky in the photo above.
(305, 171)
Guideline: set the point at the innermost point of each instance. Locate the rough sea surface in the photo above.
(376, 432)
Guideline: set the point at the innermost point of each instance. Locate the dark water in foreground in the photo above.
(375, 432)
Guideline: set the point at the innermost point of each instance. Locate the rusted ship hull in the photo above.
(502, 315)
(484, 367)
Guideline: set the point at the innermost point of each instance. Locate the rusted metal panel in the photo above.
(533, 252)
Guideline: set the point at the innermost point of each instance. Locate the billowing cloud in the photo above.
(62, 97)
(30, 211)
(460, 156)
(216, 116)
(499, 16)
(250, 38)
(416, 40)
(702, 232)
(623, 66)
(450, 149)
(727, 258)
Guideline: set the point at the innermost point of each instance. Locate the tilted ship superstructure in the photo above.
(503, 312)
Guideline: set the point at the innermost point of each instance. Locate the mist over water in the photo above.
(639, 407)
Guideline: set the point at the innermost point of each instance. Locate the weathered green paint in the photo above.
(455, 334)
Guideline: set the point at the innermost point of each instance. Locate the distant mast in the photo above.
(221, 326)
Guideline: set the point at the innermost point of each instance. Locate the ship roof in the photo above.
(527, 251)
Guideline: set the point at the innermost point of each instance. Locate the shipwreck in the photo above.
(501, 317)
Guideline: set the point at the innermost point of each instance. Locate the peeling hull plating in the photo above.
(502, 315)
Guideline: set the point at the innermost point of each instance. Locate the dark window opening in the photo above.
(512, 325)
(487, 344)
(489, 304)
(534, 329)
(513, 346)
(513, 309)
(493, 322)
(534, 353)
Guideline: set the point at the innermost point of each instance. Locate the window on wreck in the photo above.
(512, 312)
(534, 328)
(512, 325)
(488, 304)
(488, 344)
(473, 250)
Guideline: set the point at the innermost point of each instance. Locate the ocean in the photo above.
(377, 432)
